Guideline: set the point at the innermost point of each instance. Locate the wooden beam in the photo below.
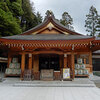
(81, 53)
(47, 52)
(43, 52)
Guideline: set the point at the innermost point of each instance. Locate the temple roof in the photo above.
(50, 29)
(47, 37)
(50, 23)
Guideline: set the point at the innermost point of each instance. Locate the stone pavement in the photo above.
(13, 88)
(49, 93)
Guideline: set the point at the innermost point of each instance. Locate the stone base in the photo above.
(57, 75)
(36, 75)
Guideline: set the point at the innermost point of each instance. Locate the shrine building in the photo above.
(50, 46)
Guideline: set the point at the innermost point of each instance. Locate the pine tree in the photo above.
(92, 22)
(29, 19)
(9, 24)
(67, 20)
(37, 19)
(98, 27)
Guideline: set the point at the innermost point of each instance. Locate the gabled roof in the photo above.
(50, 19)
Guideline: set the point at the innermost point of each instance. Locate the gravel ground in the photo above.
(96, 80)
(97, 85)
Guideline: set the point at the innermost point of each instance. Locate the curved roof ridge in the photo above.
(52, 19)
(36, 26)
(65, 26)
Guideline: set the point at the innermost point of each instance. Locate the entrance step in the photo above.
(75, 83)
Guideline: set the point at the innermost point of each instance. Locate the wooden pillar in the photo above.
(73, 65)
(60, 61)
(65, 60)
(9, 59)
(22, 64)
(36, 63)
(90, 61)
(69, 61)
(30, 62)
(36, 67)
(33, 61)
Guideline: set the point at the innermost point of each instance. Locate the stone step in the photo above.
(54, 84)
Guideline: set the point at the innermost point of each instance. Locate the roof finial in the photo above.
(49, 13)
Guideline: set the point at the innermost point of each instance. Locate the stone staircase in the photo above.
(77, 82)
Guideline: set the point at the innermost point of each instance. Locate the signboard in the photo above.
(66, 73)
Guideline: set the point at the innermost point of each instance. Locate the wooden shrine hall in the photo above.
(49, 48)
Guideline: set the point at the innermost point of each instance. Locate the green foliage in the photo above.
(4, 6)
(16, 8)
(67, 20)
(9, 17)
(92, 23)
(8, 24)
(39, 18)
(17, 15)
(29, 18)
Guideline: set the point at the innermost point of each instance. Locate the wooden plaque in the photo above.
(47, 74)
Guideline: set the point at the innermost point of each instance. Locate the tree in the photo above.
(15, 7)
(39, 18)
(92, 22)
(17, 15)
(66, 20)
(9, 24)
(29, 19)
(98, 27)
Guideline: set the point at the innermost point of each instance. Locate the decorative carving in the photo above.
(65, 55)
(50, 28)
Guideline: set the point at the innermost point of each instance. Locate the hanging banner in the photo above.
(66, 73)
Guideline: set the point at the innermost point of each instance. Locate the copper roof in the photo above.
(47, 37)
